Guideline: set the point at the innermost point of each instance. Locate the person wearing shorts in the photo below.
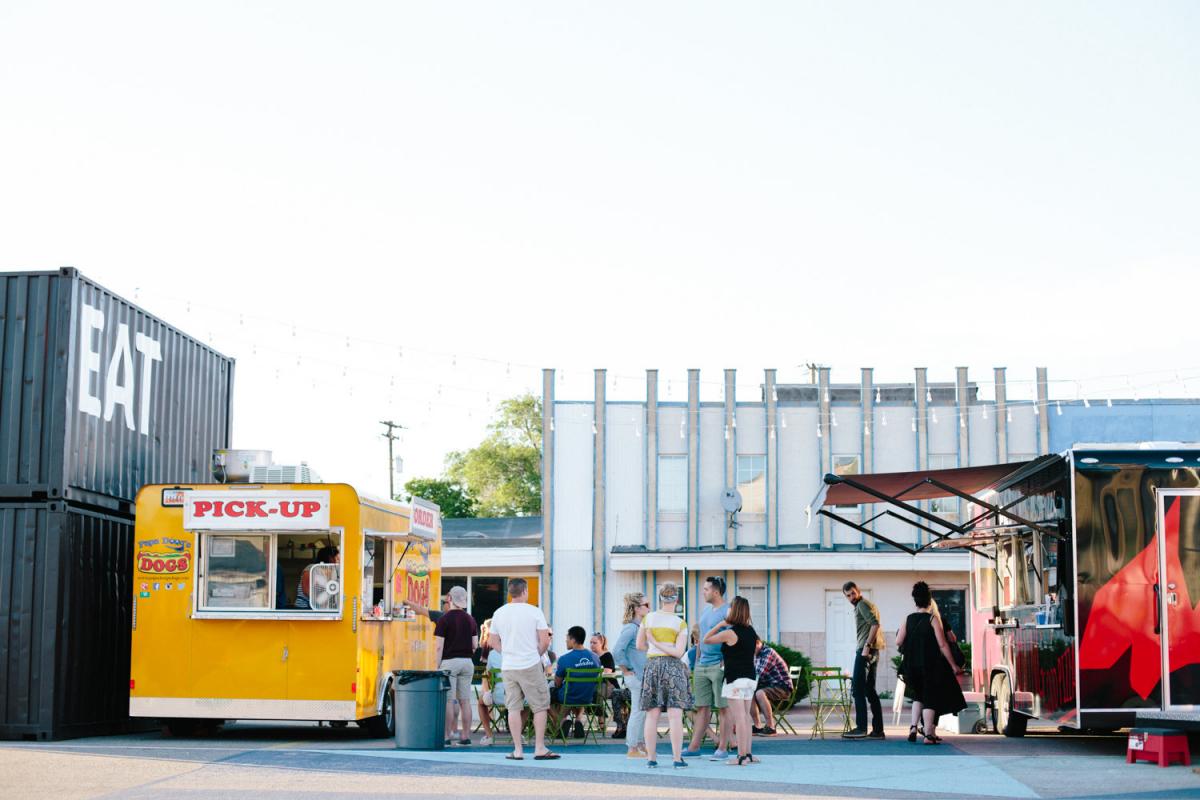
(737, 639)
(520, 633)
(455, 637)
(709, 676)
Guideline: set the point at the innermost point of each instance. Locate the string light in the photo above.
(1036, 413)
(727, 433)
(877, 400)
(594, 430)
(914, 424)
(1058, 407)
(985, 412)
(1086, 404)
(883, 419)
(928, 395)
(783, 419)
(933, 414)
(1008, 413)
(772, 429)
(819, 434)
(833, 418)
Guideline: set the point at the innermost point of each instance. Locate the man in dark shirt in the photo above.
(455, 637)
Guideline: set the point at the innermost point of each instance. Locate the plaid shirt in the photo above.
(772, 670)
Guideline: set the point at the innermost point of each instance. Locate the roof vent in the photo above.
(284, 473)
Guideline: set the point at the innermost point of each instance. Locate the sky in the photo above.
(405, 211)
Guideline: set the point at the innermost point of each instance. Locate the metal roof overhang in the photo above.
(902, 489)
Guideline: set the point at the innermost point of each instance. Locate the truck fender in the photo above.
(385, 685)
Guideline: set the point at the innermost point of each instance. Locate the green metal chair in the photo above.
(593, 709)
(780, 708)
(830, 690)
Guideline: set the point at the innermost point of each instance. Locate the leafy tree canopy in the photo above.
(503, 473)
(450, 496)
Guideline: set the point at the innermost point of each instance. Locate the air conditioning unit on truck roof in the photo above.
(284, 473)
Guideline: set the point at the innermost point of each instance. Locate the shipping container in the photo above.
(98, 398)
(65, 614)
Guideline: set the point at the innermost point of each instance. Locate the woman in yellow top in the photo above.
(663, 635)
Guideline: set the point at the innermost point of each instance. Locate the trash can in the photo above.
(419, 700)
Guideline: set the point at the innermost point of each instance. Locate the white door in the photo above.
(840, 636)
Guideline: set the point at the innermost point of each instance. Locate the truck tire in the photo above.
(1004, 720)
(384, 725)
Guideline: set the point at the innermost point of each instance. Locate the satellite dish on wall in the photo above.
(731, 501)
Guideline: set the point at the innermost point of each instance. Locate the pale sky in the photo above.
(404, 211)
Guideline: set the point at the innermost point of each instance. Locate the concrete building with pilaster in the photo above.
(632, 491)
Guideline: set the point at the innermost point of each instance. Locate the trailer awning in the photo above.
(902, 490)
(913, 486)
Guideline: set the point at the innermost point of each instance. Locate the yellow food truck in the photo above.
(278, 602)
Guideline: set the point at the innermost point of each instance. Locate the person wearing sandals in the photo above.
(663, 635)
(520, 634)
(737, 639)
(929, 668)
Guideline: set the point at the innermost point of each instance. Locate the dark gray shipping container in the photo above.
(66, 599)
(98, 398)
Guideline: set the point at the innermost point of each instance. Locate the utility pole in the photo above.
(391, 436)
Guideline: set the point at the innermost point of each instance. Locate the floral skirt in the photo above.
(665, 684)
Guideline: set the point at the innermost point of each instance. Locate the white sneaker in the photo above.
(486, 741)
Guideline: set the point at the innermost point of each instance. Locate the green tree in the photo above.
(451, 497)
(503, 474)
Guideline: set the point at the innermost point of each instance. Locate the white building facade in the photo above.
(632, 497)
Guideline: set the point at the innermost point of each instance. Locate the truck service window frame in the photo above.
(210, 543)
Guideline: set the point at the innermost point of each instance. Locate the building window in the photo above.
(756, 596)
(952, 604)
(846, 465)
(237, 572)
(672, 485)
(944, 507)
(752, 483)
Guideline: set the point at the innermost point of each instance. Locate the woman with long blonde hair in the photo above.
(632, 663)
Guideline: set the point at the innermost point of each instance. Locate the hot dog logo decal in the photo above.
(412, 583)
(165, 556)
(266, 510)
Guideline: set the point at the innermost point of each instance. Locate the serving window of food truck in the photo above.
(245, 571)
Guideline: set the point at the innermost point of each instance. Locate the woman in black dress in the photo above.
(929, 669)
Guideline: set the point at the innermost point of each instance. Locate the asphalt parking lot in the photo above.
(302, 760)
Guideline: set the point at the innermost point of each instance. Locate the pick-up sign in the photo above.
(266, 510)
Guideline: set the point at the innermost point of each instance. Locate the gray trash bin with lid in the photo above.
(419, 700)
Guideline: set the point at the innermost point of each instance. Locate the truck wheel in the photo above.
(384, 725)
(1003, 719)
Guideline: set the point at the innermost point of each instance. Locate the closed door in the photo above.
(1178, 593)
(840, 637)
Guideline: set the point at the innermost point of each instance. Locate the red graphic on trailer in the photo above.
(1123, 616)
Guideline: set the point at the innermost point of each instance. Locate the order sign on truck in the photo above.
(257, 510)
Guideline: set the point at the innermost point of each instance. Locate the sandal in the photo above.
(912, 733)
(932, 740)
(547, 756)
(514, 757)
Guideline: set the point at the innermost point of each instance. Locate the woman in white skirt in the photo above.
(737, 639)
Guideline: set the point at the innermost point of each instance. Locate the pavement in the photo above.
(290, 760)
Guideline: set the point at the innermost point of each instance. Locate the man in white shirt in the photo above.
(520, 633)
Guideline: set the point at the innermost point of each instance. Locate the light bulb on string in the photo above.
(866, 429)
(928, 395)
(772, 429)
(914, 424)
(833, 418)
(826, 395)
(1109, 401)
(985, 416)
(933, 415)
(962, 420)
(774, 395)
(682, 429)
(819, 434)
(727, 433)
(734, 419)
(883, 419)
(783, 419)
(1058, 407)
(594, 430)
(1036, 413)
(1008, 413)
(877, 395)
(1086, 403)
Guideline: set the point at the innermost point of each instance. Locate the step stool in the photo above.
(1158, 744)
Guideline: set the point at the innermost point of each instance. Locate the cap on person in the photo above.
(458, 597)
